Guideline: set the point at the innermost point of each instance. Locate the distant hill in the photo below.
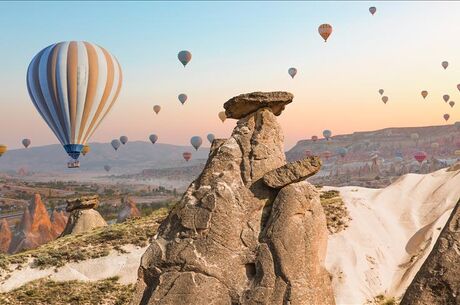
(130, 158)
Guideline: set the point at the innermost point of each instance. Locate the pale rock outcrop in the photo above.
(82, 216)
(438, 280)
(129, 211)
(5, 236)
(234, 240)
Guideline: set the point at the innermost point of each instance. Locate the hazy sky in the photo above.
(240, 47)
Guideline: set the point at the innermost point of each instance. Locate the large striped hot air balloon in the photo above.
(73, 85)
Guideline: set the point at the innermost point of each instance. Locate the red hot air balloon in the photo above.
(446, 117)
(187, 155)
(314, 138)
(420, 156)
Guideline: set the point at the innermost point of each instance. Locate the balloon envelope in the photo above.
(26, 142)
(222, 116)
(292, 72)
(182, 98)
(452, 104)
(156, 108)
(107, 168)
(86, 149)
(184, 57)
(327, 134)
(124, 140)
(153, 138)
(445, 64)
(424, 93)
(325, 31)
(372, 10)
(3, 149)
(446, 116)
(384, 99)
(314, 138)
(210, 137)
(187, 155)
(381, 91)
(196, 142)
(420, 156)
(73, 85)
(115, 144)
(445, 97)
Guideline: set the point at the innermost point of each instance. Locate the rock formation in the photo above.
(58, 222)
(5, 236)
(234, 239)
(129, 211)
(438, 280)
(82, 216)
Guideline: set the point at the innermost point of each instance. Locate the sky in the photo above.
(241, 47)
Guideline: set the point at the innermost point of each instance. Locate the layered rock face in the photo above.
(5, 236)
(438, 280)
(129, 211)
(82, 216)
(233, 239)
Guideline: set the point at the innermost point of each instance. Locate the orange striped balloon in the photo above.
(73, 85)
(325, 31)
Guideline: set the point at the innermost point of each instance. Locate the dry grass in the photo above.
(97, 243)
(48, 292)
(383, 300)
(337, 214)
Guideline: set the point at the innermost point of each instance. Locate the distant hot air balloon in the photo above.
(196, 142)
(292, 72)
(446, 116)
(372, 10)
(210, 137)
(314, 138)
(153, 138)
(86, 149)
(435, 145)
(325, 31)
(458, 87)
(381, 91)
(26, 142)
(182, 98)
(156, 108)
(452, 104)
(327, 154)
(187, 155)
(184, 57)
(327, 134)
(3, 149)
(124, 140)
(342, 151)
(420, 156)
(107, 168)
(424, 93)
(457, 153)
(115, 144)
(446, 97)
(384, 99)
(73, 85)
(445, 64)
(222, 116)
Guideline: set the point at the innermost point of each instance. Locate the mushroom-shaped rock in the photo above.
(83, 217)
(81, 203)
(292, 172)
(240, 106)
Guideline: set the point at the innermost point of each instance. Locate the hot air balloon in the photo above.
(222, 116)
(153, 138)
(445, 64)
(308, 153)
(182, 98)
(124, 140)
(187, 155)
(292, 72)
(327, 134)
(327, 154)
(74, 85)
(384, 99)
(457, 153)
(420, 156)
(445, 97)
(156, 108)
(210, 137)
(381, 91)
(3, 149)
(196, 142)
(342, 151)
(26, 142)
(452, 104)
(314, 138)
(372, 10)
(107, 168)
(435, 145)
(446, 116)
(86, 149)
(325, 31)
(424, 93)
(115, 144)
(458, 87)
(184, 57)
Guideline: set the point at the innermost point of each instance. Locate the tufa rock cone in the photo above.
(82, 216)
(129, 211)
(5, 236)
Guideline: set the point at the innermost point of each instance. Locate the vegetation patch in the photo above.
(337, 214)
(383, 300)
(97, 243)
(48, 292)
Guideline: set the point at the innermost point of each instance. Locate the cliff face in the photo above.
(233, 239)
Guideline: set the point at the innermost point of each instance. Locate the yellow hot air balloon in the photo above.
(86, 149)
(222, 116)
(3, 149)
(325, 31)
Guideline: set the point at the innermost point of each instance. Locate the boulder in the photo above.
(292, 172)
(242, 105)
(221, 243)
(438, 280)
(82, 216)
